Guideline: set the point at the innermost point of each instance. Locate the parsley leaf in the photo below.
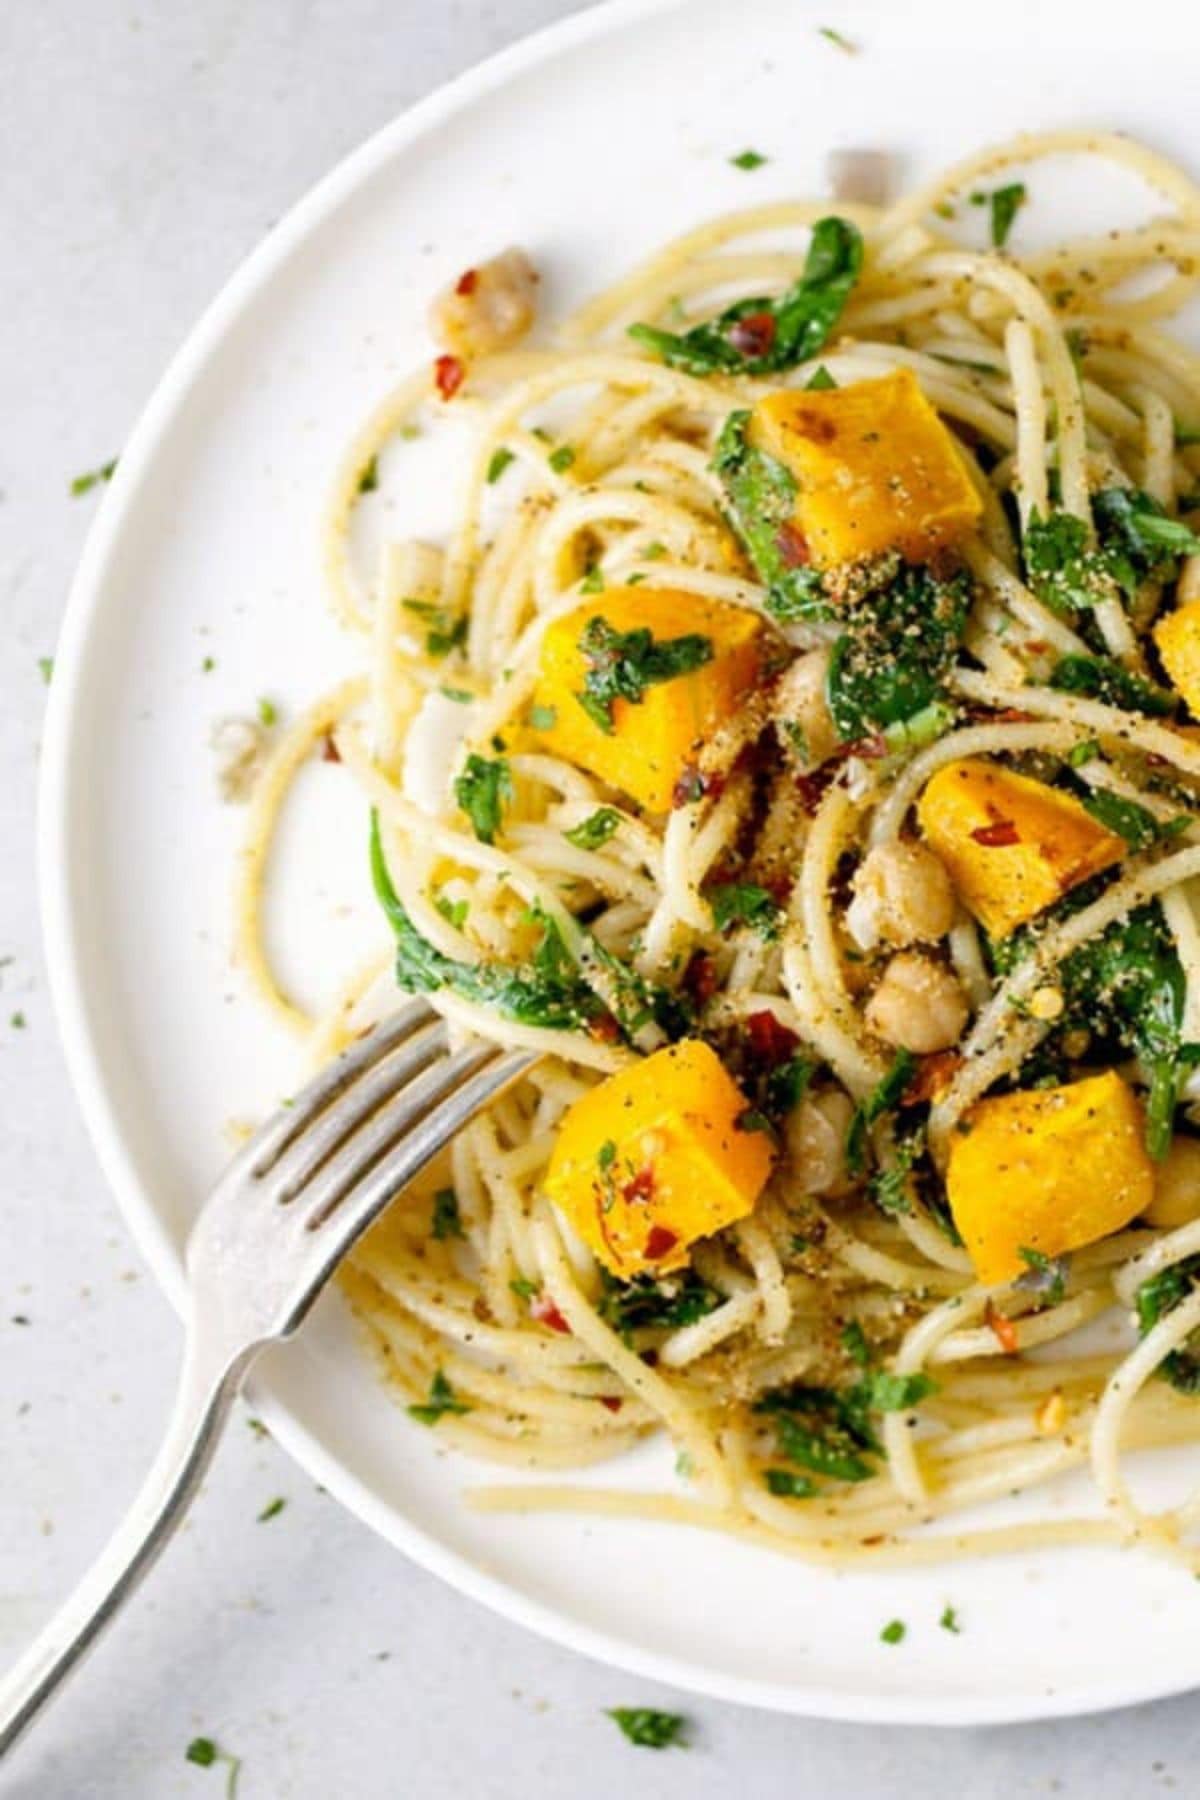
(883, 1098)
(829, 1431)
(1136, 824)
(785, 1484)
(901, 637)
(594, 831)
(46, 668)
(838, 39)
(83, 484)
(272, 1509)
(368, 481)
(762, 335)
(742, 903)
(561, 458)
(441, 1401)
(646, 1304)
(447, 1220)
(444, 633)
(1102, 678)
(748, 159)
(761, 495)
(1045, 1275)
(621, 665)
(1004, 203)
(1160, 1295)
(949, 1620)
(649, 1729)
(893, 1632)
(498, 462)
(482, 790)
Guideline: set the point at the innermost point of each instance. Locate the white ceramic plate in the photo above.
(588, 145)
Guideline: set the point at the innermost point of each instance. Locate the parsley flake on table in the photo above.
(272, 1509)
(83, 484)
(949, 1620)
(649, 1729)
(621, 665)
(893, 1632)
(206, 1753)
(46, 668)
(748, 159)
(838, 39)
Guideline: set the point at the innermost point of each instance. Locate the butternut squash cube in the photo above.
(875, 469)
(1178, 639)
(1011, 845)
(643, 745)
(1047, 1170)
(656, 1157)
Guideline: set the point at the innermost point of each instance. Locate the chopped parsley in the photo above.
(829, 1431)
(649, 1729)
(561, 458)
(949, 1620)
(272, 1509)
(442, 1400)
(83, 484)
(208, 665)
(785, 1484)
(761, 496)
(593, 580)
(621, 665)
(46, 668)
(1004, 204)
(523, 1288)
(482, 791)
(838, 39)
(893, 1632)
(443, 632)
(594, 831)
(883, 1098)
(368, 481)
(1103, 678)
(1134, 542)
(820, 380)
(18, 1021)
(447, 1220)
(748, 159)
(498, 462)
(205, 1752)
(453, 911)
(762, 335)
(268, 712)
(1045, 1275)
(1136, 824)
(1154, 1299)
(646, 1304)
(737, 903)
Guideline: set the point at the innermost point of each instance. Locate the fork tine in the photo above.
(403, 1113)
(397, 1165)
(356, 1103)
(274, 1135)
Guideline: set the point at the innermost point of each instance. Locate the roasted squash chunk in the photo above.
(1047, 1170)
(658, 1155)
(632, 683)
(875, 469)
(1011, 845)
(1178, 640)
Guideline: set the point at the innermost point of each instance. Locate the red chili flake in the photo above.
(448, 374)
(639, 1186)
(932, 1077)
(329, 750)
(700, 979)
(770, 1042)
(467, 282)
(603, 1029)
(614, 1402)
(659, 1242)
(812, 788)
(1002, 1328)
(792, 546)
(754, 334)
(543, 1309)
(998, 836)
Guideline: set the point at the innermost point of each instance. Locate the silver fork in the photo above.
(279, 1221)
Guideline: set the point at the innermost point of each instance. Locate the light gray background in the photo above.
(144, 149)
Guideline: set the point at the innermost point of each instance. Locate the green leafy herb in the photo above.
(593, 580)
(83, 484)
(561, 458)
(1047, 1275)
(1102, 678)
(883, 1098)
(1004, 204)
(443, 633)
(368, 481)
(546, 991)
(742, 903)
(202, 1751)
(1138, 523)
(949, 1620)
(453, 911)
(483, 790)
(854, 1343)
(205, 1753)
(447, 1219)
(543, 718)
(761, 494)
(621, 665)
(785, 1484)
(748, 159)
(653, 552)
(838, 39)
(442, 1400)
(1136, 824)
(646, 1304)
(1134, 542)
(819, 380)
(1186, 435)
(901, 637)
(46, 668)
(208, 665)
(762, 335)
(829, 1431)
(649, 1729)
(893, 1632)
(272, 1509)
(268, 712)
(594, 831)
(523, 1288)
(1154, 1299)
(1079, 754)
(888, 1187)
(499, 461)
(18, 1021)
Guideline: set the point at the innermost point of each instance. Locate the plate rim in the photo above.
(72, 1007)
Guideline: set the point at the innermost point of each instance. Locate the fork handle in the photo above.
(208, 1386)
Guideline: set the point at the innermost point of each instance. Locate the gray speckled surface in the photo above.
(143, 151)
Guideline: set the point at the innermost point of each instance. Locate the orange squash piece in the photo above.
(1048, 1170)
(875, 469)
(652, 740)
(1011, 846)
(1178, 639)
(655, 1157)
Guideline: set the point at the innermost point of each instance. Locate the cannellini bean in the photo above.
(918, 1004)
(801, 712)
(902, 895)
(816, 1138)
(488, 308)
